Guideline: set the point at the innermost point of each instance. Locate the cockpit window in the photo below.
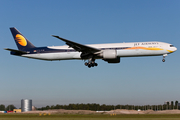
(171, 45)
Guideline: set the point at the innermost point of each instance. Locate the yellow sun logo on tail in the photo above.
(21, 40)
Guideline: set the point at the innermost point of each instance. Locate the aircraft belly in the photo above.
(54, 56)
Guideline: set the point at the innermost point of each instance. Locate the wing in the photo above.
(78, 47)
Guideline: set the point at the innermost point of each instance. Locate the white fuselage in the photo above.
(135, 49)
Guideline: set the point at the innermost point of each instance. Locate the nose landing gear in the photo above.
(163, 60)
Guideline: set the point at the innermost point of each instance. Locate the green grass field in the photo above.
(88, 117)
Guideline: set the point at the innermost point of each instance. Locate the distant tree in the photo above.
(164, 107)
(2, 107)
(74, 107)
(122, 106)
(10, 107)
(176, 104)
(103, 107)
(52, 107)
(97, 107)
(129, 107)
(172, 105)
(136, 107)
(159, 107)
(81, 106)
(154, 107)
(47, 107)
(167, 105)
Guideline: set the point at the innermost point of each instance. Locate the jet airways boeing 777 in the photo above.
(110, 53)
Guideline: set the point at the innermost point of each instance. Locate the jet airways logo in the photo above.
(21, 40)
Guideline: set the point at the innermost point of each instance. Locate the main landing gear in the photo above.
(164, 57)
(91, 63)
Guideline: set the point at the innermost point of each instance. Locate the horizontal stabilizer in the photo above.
(17, 51)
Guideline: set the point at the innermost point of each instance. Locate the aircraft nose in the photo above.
(175, 48)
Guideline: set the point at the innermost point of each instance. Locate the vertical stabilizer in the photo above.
(21, 42)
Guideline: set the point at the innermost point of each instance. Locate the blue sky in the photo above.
(138, 81)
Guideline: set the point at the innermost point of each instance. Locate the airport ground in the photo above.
(90, 117)
(119, 114)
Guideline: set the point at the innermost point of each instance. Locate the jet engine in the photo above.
(110, 56)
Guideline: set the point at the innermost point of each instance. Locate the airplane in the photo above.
(110, 53)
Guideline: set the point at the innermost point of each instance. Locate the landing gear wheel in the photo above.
(163, 60)
(86, 64)
(89, 65)
(95, 64)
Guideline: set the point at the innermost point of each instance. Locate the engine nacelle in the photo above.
(109, 54)
(117, 60)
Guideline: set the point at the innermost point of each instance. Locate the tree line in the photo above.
(103, 107)
(8, 108)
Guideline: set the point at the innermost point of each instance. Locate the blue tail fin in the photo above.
(21, 42)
